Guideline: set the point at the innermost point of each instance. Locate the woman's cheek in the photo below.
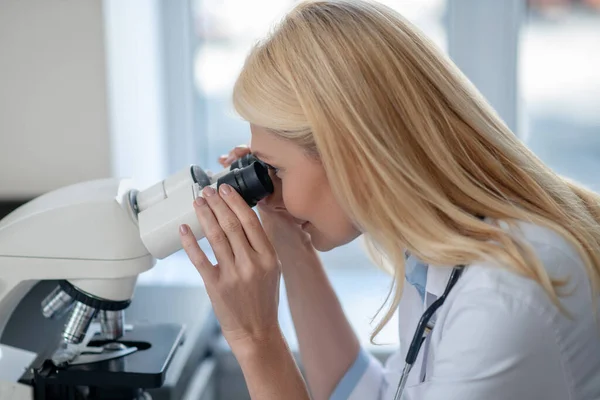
(295, 204)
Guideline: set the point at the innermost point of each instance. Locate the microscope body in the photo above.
(86, 234)
(94, 238)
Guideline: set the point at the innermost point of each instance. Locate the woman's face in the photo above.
(304, 191)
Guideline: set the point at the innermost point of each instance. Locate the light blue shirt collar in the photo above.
(416, 274)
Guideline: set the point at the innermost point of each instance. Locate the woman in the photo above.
(371, 131)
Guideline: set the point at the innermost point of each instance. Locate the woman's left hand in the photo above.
(244, 285)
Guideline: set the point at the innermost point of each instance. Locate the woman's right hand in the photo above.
(282, 230)
(237, 152)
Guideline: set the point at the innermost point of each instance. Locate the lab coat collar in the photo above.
(437, 279)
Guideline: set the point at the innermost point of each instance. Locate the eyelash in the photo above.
(276, 170)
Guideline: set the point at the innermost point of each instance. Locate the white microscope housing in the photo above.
(96, 237)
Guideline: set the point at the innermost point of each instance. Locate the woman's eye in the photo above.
(274, 169)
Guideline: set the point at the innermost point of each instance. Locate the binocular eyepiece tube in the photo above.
(248, 176)
(163, 207)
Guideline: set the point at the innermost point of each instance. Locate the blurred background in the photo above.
(141, 88)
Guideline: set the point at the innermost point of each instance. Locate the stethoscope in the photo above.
(424, 328)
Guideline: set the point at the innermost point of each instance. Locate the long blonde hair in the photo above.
(412, 150)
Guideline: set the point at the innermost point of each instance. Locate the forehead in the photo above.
(258, 135)
(266, 144)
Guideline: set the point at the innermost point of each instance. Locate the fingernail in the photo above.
(200, 201)
(225, 189)
(184, 229)
(208, 191)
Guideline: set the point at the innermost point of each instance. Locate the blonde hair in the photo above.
(410, 147)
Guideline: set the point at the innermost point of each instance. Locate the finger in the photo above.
(250, 223)
(196, 255)
(222, 160)
(228, 221)
(212, 231)
(237, 152)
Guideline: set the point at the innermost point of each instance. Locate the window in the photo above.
(560, 85)
(225, 32)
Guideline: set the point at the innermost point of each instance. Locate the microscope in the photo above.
(94, 239)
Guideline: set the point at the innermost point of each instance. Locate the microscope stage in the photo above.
(144, 368)
(153, 306)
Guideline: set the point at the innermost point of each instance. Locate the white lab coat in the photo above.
(497, 337)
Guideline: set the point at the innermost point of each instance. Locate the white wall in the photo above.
(53, 111)
(80, 93)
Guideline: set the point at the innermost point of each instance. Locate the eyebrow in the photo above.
(260, 155)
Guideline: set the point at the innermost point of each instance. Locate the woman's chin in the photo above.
(321, 242)
(322, 245)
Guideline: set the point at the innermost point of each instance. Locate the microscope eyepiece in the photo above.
(252, 182)
(164, 207)
(199, 176)
(245, 161)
